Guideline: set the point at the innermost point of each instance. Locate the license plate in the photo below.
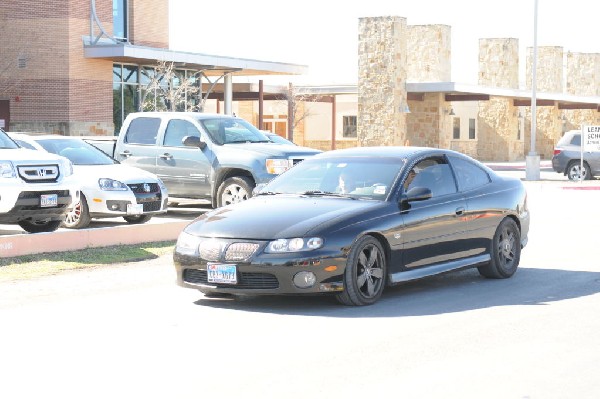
(220, 273)
(135, 209)
(48, 200)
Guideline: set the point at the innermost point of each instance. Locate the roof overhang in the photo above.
(453, 91)
(212, 65)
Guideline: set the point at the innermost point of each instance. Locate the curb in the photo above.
(72, 240)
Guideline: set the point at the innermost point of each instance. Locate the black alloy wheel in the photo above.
(505, 251)
(364, 277)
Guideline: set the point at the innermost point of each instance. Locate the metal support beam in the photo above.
(228, 94)
(260, 104)
(333, 118)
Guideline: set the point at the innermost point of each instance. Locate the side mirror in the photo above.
(417, 194)
(193, 141)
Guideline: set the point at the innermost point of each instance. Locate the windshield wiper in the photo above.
(319, 193)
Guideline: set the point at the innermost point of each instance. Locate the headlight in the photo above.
(278, 166)
(294, 245)
(7, 170)
(162, 185)
(187, 244)
(112, 185)
(68, 168)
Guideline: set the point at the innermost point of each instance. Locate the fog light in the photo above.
(305, 279)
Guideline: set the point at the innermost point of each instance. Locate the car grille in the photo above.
(38, 173)
(144, 188)
(246, 280)
(147, 194)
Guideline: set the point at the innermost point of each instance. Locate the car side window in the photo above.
(142, 131)
(433, 174)
(177, 130)
(469, 175)
(576, 140)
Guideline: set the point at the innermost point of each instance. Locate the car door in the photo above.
(138, 146)
(184, 170)
(434, 229)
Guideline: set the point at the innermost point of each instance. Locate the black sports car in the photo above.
(350, 222)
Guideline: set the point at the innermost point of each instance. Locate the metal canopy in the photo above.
(212, 65)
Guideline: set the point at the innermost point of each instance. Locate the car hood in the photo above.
(120, 172)
(271, 217)
(272, 149)
(25, 155)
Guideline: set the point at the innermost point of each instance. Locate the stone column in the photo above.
(382, 72)
(429, 60)
(548, 118)
(583, 78)
(497, 122)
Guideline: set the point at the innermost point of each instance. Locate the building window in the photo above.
(471, 129)
(275, 124)
(456, 129)
(349, 126)
(120, 20)
(125, 93)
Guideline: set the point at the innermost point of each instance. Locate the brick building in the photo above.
(78, 67)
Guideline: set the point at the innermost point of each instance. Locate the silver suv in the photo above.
(567, 158)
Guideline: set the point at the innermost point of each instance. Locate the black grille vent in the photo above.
(246, 280)
(144, 188)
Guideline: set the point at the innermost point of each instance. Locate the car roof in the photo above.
(389, 151)
(195, 115)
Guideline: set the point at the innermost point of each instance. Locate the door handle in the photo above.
(459, 211)
(166, 156)
(125, 153)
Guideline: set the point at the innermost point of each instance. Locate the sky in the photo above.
(323, 35)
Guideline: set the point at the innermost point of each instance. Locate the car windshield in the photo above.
(5, 141)
(353, 177)
(232, 131)
(77, 151)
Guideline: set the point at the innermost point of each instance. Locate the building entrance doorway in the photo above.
(4, 114)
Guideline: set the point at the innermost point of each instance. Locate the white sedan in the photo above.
(108, 188)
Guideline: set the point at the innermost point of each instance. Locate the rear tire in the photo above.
(505, 251)
(40, 227)
(574, 171)
(233, 190)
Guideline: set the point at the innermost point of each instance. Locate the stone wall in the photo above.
(426, 122)
(583, 78)
(549, 78)
(382, 81)
(499, 63)
(428, 53)
(497, 121)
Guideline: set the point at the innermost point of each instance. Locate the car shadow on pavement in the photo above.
(449, 293)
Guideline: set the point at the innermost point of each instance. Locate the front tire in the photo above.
(574, 171)
(505, 251)
(233, 190)
(79, 216)
(40, 227)
(364, 277)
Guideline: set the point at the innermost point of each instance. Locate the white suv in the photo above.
(35, 189)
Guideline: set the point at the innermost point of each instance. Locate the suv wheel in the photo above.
(233, 190)
(574, 171)
(39, 227)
